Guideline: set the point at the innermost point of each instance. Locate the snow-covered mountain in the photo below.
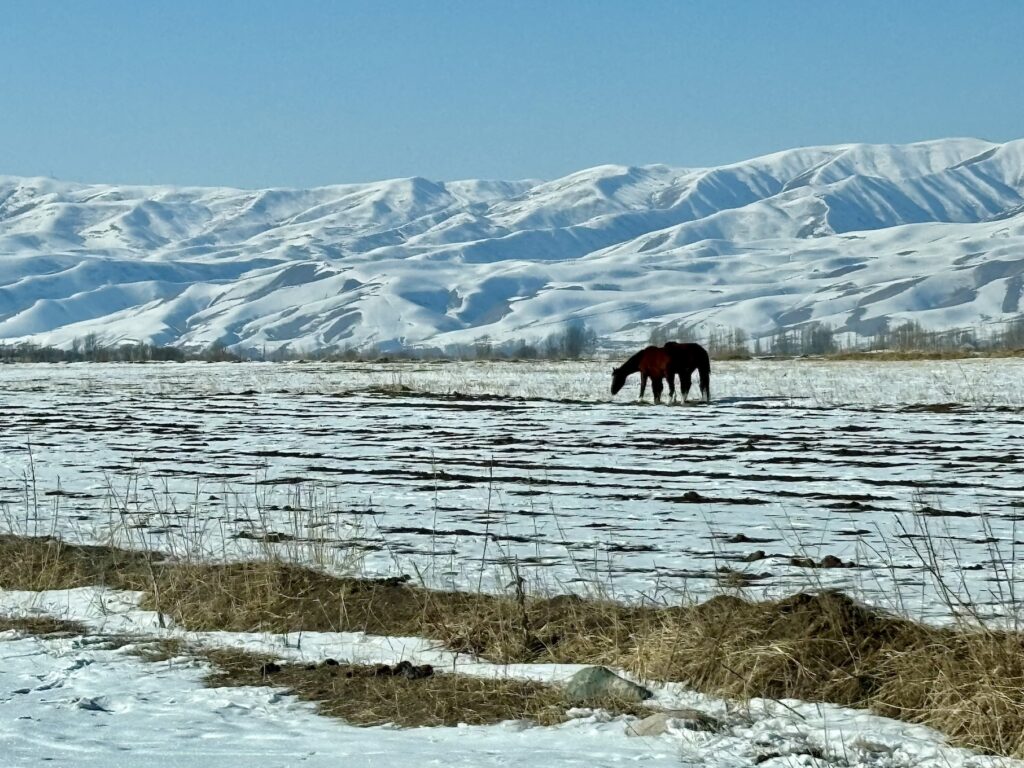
(854, 235)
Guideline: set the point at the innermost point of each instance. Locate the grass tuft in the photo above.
(42, 626)
(966, 682)
(358, 695)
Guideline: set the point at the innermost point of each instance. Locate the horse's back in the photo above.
(655, 361)
(687, 353)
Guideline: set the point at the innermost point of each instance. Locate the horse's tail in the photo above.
(705, 379)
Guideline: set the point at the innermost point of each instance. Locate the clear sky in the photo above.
(304, 93)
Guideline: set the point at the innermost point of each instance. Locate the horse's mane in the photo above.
(633, 363)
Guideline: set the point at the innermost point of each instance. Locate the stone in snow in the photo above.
(660, 722)
(599, 683)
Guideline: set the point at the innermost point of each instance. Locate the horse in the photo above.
(686, 358)
(652, 363)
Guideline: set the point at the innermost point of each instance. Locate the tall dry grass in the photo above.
(967, 682)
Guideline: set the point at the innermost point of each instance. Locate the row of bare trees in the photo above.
(817, 338)
(573, 341)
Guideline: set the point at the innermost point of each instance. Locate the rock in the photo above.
(753, 557)
(828, 561)
(418, 672)
(269, 668)
(658, 723)
(97, 704)
(655, 725)
(831, 561)
(595, 684)
(405, 669)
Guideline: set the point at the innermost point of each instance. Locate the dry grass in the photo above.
(359, 696)
(43, 626)
(969, 686)
(47, 563)
(968, 683)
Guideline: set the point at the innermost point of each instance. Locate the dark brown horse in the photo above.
(687, 358)
(652, 363)
(661, 363)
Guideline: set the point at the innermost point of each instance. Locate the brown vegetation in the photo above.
(361, 695)
(43, 626)
(966, 682)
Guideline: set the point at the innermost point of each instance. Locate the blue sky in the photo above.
(298, 94)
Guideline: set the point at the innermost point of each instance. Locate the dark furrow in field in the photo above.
(638, 491)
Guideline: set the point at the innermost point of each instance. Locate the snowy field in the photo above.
(462, 473)
(77, 701)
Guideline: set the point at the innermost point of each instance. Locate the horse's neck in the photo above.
(632, 365)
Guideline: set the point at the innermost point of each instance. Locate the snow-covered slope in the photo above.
(855, 235)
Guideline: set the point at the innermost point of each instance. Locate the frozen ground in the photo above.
(461, 473)
(77, 701)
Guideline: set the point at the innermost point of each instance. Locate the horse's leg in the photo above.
(643, 385)
(656, 386)
(671, 386)
(705, 373)
(685, 380)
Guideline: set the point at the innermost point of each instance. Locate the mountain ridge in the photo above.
(855, 235)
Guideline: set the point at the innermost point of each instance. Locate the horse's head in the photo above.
(618, 379)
